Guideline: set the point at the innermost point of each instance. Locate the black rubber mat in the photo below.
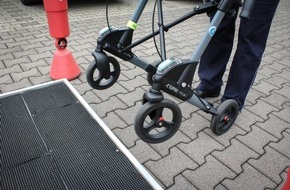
(49, 141)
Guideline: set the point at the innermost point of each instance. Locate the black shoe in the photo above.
(207, 94)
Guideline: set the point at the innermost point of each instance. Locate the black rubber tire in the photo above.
(97, 81)
(228, 113)
(171, 126)
(30, 2)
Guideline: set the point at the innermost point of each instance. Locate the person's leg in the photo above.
(253, 34)
(213, 61)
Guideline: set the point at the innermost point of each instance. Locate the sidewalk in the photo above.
(254, 154)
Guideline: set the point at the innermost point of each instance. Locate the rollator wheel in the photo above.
(157, 122)
(97, 81)
(227, 114)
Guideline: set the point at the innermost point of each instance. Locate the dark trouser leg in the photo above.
(253, 34)
(214, 60)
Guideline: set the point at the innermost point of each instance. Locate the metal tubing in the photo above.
(207, 36)
(161, 30)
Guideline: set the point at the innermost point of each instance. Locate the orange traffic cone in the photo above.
(63, 64)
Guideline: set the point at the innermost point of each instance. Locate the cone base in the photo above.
(64, 66)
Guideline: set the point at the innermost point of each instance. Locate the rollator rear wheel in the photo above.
(97, 81)
(157, 122)
(227, 114)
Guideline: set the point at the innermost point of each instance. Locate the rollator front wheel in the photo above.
(157, 122)
(96, 80)
(227, 114)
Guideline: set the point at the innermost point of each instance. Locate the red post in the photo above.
(286, 186)
(63, 64)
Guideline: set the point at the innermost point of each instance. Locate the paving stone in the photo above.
(283, 146)
(250, 178)
(39, 79)
(91, 97)
(284, 114)
(5, 79)
(176, 162)
(15, 86)
(263, 108)
(114, 121)
(143, 152)
(128, 114)
(134, 83)
(200, 147)
(102, 109)
(254, 95)
(257, 139)
(181, 183)
(38, 56)
(193, 125)
(235, 155)
(246, 119)
(265, 87)
(21, 75)
(131, 98)
(164, 147)
(15, 68)
(27, 66)
(108, 93)
(126, 135)
(276, 99)
(208, 175)
(271, 164)
(82, 88)
(285, 90)
(274, 125)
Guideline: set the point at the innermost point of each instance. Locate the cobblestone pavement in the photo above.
(254, 154)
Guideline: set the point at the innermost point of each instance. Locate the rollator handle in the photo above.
(247, 8)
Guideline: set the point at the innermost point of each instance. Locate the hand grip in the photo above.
(247, 8)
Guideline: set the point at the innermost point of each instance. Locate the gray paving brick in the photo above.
(113, 121)
(35, 56)
(249, 179)
(285, 90)
(235, 155)
(144, 152)
(283, 146)
(39, 79)
(284, 113)
(193, 125)
(263, 108)
(128, 114)
(181, 163)
(181, 183)
(164, 148)
(30, 65)
(15, 86)
(127, 135)
(131, 98)
(200, 147)
(209, 174)
(257, 139)
(106, 94)
(271, 164)
(102, 108)
(5, 79)
(15, 68)
(134, 83)
(274, 125)
(21, 75)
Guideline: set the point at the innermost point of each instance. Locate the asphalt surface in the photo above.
(253, 154)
